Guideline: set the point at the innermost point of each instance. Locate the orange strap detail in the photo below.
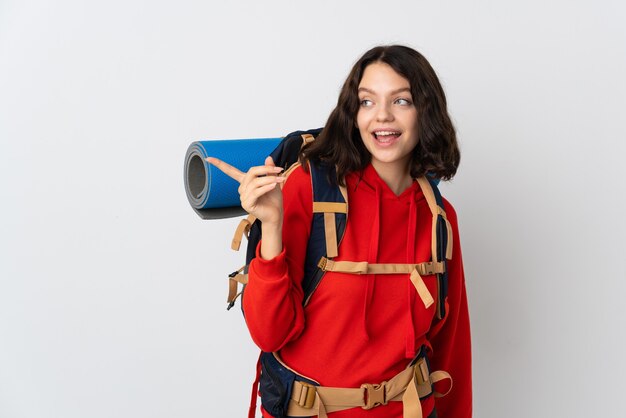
(330, 230)
(421, 289)
(233, 283)
(307, 138)
(243, 228)
(438, 376)
(287, 172)
(330, 207)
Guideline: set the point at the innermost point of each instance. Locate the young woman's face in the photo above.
(387, 118)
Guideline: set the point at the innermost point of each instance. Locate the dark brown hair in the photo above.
(340, 143)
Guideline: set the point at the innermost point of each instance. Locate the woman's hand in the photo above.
(261, 198)
(258, 190)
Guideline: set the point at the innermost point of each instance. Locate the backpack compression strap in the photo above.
(242, 229)
(234, 279)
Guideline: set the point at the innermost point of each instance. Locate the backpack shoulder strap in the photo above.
(284, 155)
(441, 238)
(330, 215)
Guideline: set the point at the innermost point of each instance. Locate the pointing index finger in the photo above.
(227, 169)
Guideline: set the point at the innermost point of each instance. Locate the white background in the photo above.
(112, 290)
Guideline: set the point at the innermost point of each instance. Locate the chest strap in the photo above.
(408, 386)
(415, 270)
(363, 267)
(359, 267)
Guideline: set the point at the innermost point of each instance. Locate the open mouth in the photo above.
(386, 137)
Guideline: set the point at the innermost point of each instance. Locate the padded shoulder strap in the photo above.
(441, 238)
(330, 214)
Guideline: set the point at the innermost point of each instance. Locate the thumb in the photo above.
(270, 162)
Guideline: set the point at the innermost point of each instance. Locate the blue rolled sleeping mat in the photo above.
(211, 193)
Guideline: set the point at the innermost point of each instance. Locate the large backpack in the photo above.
(275, 380)
(330, 212)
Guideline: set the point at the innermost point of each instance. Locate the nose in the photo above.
(383, 113)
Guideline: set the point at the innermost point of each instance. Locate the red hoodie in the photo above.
(362, 328)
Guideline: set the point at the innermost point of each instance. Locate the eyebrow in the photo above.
(400, 90)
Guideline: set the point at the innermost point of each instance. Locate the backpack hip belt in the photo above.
(409, 386)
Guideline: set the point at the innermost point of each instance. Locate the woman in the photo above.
(362, 331)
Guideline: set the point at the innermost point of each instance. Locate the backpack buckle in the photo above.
(423, 381)
(306, 396)
(422, 374)
(374, 395)
(322, 263)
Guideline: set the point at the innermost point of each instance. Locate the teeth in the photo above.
(383, 133)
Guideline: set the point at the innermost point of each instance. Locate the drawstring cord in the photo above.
(410, 259)
(373, 256)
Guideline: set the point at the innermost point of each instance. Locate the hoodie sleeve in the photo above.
(273, 297)
(450, 339)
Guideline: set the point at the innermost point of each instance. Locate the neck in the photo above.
(396, 176)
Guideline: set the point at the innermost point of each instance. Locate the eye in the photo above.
(366, 103)
(403, 102)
